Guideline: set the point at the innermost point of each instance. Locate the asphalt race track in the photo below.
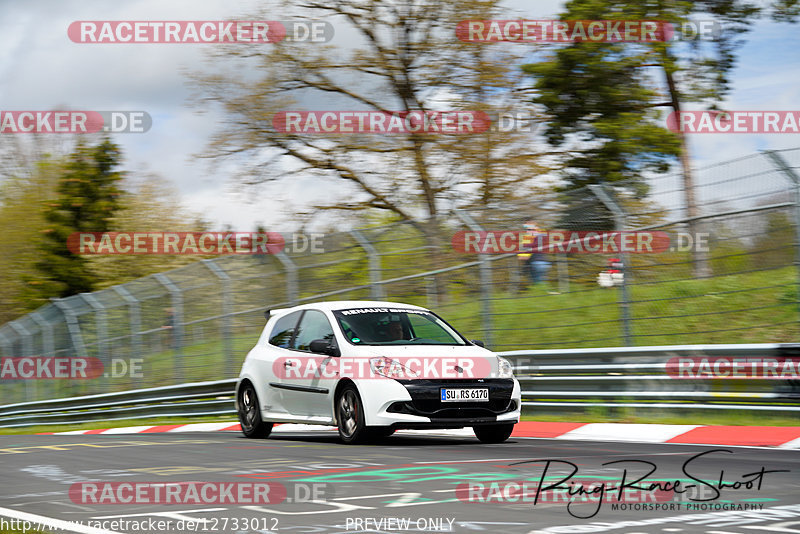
(404, 483)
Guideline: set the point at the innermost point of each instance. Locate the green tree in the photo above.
(22, 207)
(603, 98)
(87, 199)
(145, 205)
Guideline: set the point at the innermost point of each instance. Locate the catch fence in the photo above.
(197, 322)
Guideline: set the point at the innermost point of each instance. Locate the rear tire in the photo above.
(250, 414)
(493, 433)
(350, 416)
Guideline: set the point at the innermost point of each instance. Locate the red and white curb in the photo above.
(783, 437)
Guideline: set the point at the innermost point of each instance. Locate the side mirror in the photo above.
(323, 346)
(476, 342)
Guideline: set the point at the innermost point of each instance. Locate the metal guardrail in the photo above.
(638, 377)
(183, 400)
(554, 379)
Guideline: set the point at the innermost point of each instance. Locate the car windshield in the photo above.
(392, 326)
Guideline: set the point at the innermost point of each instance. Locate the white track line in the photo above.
(127, 430)
(641, 433)
(794, 444)
(201, 427)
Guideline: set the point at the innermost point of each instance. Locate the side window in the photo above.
(313, 326)
(282, 332)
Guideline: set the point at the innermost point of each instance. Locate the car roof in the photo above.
(345, 305)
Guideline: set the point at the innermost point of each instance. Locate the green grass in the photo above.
(691, 311)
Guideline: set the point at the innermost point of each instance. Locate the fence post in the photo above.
(177, 327)
(291, 277)
(27, 350)
(563, 273)
(8, 352)
(486, 281)
(48, 345)
(8, 349)
(374, 258)
(431, 292)
(135, 322)
(624, 296)
(73, 327)
(101, 321)
(787, 171)
(227, 311)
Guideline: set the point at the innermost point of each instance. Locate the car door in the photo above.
(308, 391)
(277, 357)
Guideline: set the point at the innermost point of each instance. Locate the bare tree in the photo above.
(398, 57)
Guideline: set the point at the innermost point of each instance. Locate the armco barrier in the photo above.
(638, 377)
(552, 380)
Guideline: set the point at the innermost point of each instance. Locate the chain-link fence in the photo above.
(197, 322)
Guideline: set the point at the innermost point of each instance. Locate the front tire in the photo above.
(350, 416)
(493, 433)
(250, 414)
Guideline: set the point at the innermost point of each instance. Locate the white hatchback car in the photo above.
(371, 368)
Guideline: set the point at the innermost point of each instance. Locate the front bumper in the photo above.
(422, 406)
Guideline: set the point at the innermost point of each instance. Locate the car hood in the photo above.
(479, 357)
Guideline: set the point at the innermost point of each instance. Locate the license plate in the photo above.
(465, 395)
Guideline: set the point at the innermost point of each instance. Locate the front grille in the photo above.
(426, 398)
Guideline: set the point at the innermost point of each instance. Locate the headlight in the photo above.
(391, 368)
(504, 369)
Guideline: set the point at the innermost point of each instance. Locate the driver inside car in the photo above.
(396, 331)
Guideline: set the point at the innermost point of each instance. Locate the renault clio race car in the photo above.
(370, 368)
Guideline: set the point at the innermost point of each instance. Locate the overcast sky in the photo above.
(41, 69)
